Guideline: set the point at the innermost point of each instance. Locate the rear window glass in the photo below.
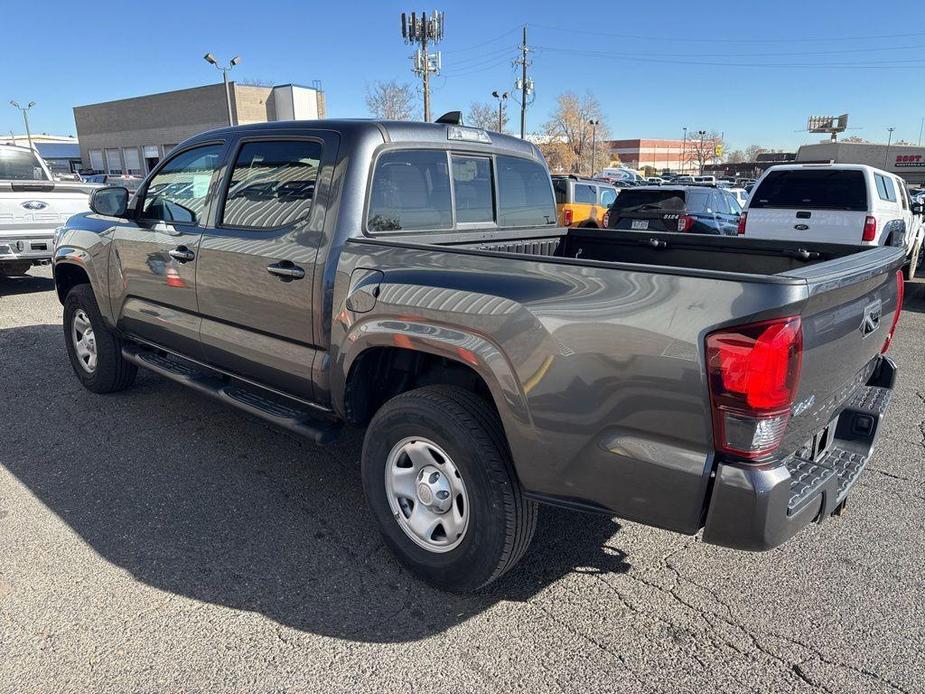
(16, 165)
(411, 190)
(631, 200)
(560, 187)
(808, 189)
(585, 195)
(474, 190)
(525, 194)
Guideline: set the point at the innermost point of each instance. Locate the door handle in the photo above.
(286, 270)
(181, 253)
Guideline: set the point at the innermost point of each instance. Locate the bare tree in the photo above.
(736, 156)
(752, 152)
(567, 136)
(485, 115)
(855, 139)
(391, 100)
(255, 82)
(703, 149)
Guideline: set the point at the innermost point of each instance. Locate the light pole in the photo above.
(209, 58)
(889, 141)
(502, 97)
(25, 118)
(682, 164)
(700, 156)
(593, 123)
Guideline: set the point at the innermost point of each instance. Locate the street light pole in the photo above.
(209, 58)
(700, 156)
(889, 141)
(593, 123)
(682, 163)
(501, 97)
(25, 118)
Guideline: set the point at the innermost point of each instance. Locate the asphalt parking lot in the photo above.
(154, 540)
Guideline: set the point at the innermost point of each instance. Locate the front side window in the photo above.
(475, 200)
(410, 190)
(585, 194)
(525, 195)
(179, 191)
(272, 184)
(20, 165)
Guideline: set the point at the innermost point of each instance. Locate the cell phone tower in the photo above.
(423, 30)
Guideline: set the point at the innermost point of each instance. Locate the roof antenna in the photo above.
(451, 118)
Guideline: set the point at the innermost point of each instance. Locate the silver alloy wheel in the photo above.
(426, 494)
(84, 341)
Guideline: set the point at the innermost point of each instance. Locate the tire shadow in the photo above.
(194, 498)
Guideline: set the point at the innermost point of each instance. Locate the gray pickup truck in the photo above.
(411, 279)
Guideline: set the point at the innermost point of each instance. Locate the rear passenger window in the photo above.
(608, 195)
(475, 200)
(272, 184)
(410, 190)
(585, 195)
(525, 193)
(885, 188)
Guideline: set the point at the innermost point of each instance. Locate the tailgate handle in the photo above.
(804, 215)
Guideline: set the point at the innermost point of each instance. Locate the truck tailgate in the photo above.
(824, 226)
(846, 320)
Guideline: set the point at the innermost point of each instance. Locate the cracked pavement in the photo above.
(155, 540)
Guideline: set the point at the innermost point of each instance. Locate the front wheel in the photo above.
(95, 351)
(439, 481)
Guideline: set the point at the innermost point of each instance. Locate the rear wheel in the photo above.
(94, 350)
(439, 481)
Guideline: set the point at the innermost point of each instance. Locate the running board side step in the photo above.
(276, 409)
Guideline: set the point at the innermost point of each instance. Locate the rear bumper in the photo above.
(35, 245)
(759, 508)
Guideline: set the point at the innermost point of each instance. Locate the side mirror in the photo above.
(111, 201)
(918, 208)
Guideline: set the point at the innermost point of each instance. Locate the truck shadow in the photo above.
(196, 499)
(25, 284)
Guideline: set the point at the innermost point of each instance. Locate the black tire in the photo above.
(19, 267)
(501, 521)
(112, 372)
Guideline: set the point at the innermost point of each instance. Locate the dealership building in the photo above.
(907, 161)
(130, 136)
(661, 155)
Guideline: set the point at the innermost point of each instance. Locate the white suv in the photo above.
(835, 203)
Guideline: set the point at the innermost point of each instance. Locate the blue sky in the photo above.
(753, 70)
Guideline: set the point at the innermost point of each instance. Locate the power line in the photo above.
(680, 39)
(483, 43)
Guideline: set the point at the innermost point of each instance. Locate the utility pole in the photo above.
(424, 30)
(594, 122)
(501, 97)
(921, 127)
(524, 84)
(682, 164)
(25, 118)
(700, 153)
(889, 141)
(209, 58)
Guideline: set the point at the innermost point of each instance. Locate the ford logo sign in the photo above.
(35, 205)
(801, 227)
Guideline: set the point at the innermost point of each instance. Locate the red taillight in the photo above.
(754, 371)
(741, 228)
(685, 222)
(900, 294)
(870, 228)
(606, 222)
(568, 216)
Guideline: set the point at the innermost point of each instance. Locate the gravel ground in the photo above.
(155, 540)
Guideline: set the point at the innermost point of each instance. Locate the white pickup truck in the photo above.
(836, 203)
(32, 206)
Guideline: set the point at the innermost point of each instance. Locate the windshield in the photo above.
(20, 165)
(645, 200)
(819, 190)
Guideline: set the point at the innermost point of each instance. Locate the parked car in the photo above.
(708, 180)
(836, 203)
(683, 179)
(129, 182)
(582, 202)
(32, 205)
(655, 181)
(693, 209)
(411, 279)
(740, 194)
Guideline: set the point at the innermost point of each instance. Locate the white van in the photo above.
(835, 203)
(709, 180)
